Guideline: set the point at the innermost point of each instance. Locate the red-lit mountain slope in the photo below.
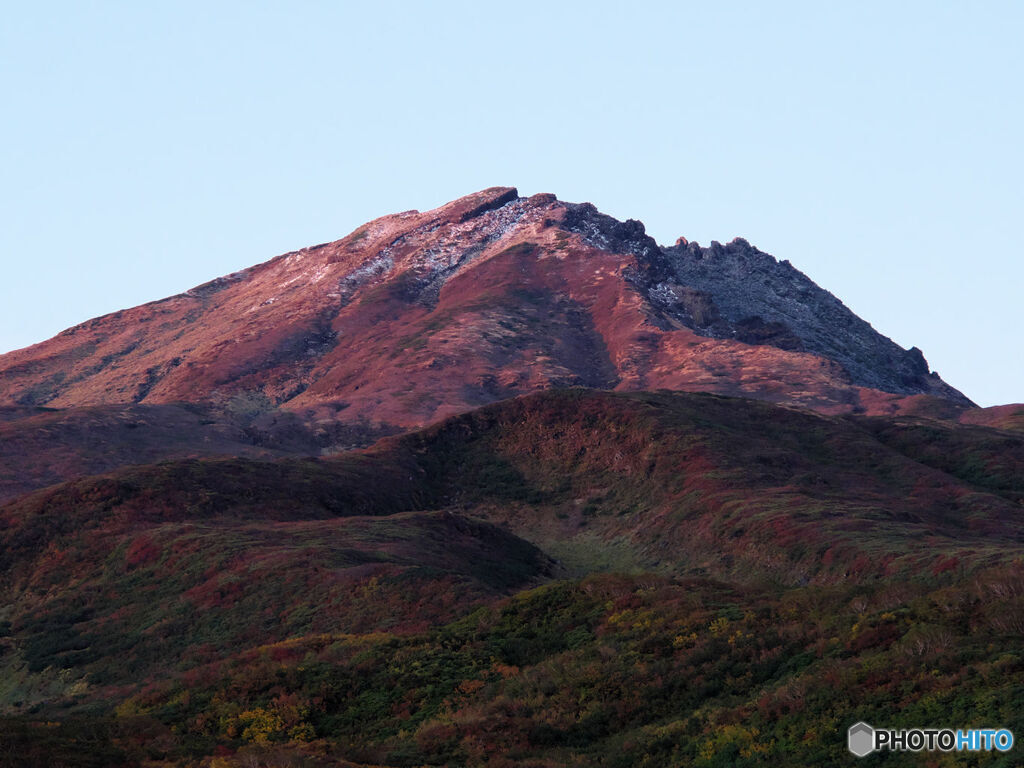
(416, 316)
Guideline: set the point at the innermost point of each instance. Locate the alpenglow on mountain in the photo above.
(417, 316)
(506, 484)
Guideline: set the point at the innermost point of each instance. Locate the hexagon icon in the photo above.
(861, 739)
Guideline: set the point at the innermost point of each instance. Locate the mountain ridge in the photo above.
(114, 582)
(415, 316)
(501, 483)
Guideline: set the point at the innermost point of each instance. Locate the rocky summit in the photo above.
(417, 316)
(501, 484)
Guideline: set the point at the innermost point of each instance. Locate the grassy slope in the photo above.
(738, 488)
(171, 569)
(1006, 417)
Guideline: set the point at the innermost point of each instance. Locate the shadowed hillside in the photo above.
(152, 571)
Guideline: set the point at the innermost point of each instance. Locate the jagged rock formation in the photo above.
(416, 316)
(756, 299)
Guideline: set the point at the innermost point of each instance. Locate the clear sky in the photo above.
(148, 147)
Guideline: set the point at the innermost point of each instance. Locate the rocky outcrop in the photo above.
(760, 300)
(416, 316)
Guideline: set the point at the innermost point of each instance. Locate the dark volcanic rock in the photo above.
(764, 301)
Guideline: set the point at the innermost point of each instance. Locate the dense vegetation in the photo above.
(574, 578)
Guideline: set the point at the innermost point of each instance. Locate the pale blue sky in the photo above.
(148, 147)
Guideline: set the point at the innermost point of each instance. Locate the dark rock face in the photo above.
(760, 300)
(736, 291)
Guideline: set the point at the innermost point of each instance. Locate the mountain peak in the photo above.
(470, 206)
(415, 316)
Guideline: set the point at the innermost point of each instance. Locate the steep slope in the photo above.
(754, 298)
(417, 316)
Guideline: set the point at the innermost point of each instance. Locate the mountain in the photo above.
(417, 316)
(505, 483)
